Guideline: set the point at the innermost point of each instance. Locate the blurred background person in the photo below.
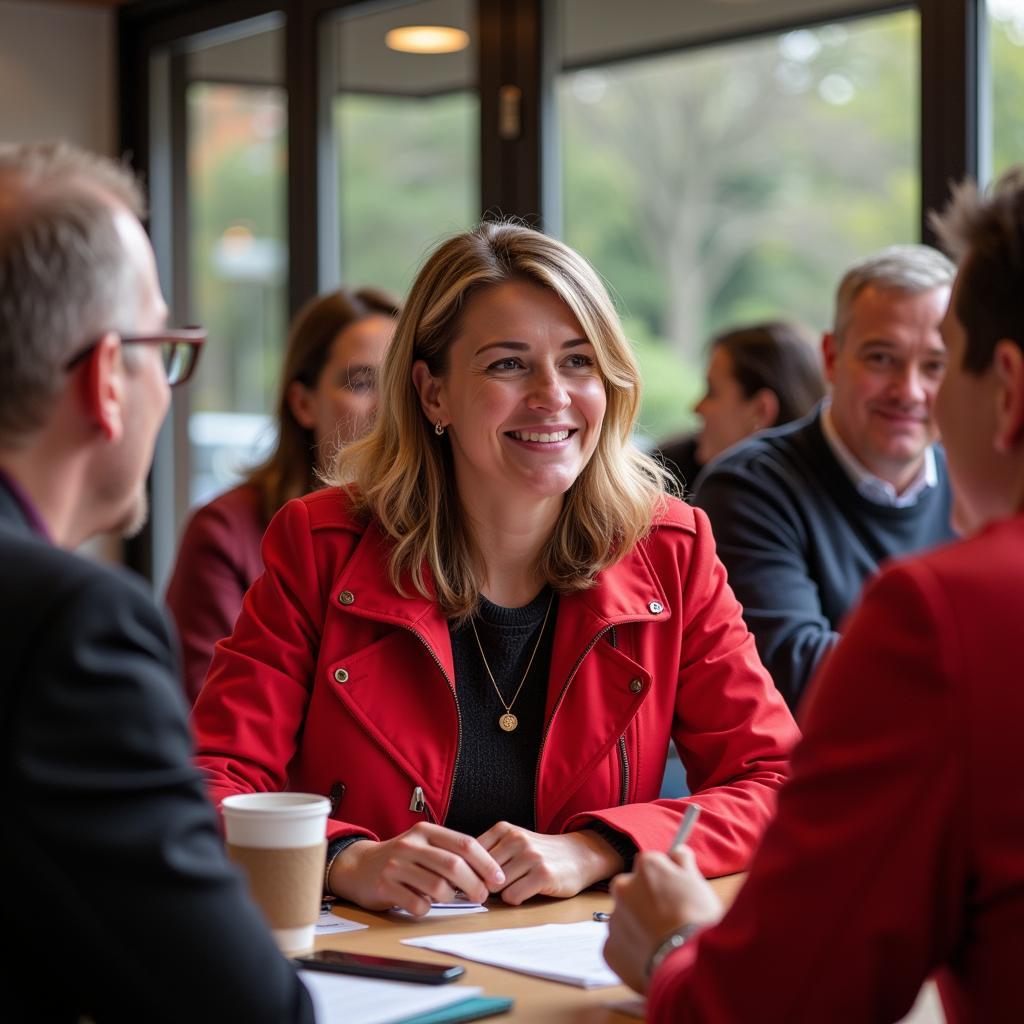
(758, 376)
(328, 396)
(806, 512)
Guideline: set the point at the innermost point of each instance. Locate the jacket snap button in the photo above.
(346, 597)
(636, 685)
(341, 675)
(656, 607)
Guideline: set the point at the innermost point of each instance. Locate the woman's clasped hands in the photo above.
(431, 863)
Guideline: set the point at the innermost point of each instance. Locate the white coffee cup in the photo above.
(279, 841)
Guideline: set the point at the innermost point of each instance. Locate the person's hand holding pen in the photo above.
(689, 819)
(656, 908)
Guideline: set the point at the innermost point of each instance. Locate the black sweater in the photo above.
(799, 541)
(496, 773)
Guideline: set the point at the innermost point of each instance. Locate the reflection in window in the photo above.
(405, 139)
(238, 273)
(1006, 39)
(732, 183)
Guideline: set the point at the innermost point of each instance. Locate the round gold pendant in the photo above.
(508, 722)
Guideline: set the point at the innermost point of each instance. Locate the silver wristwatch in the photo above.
(669, 945)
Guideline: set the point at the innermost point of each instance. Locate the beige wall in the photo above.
(57, 81)
(57, 73)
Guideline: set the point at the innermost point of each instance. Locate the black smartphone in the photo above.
(380, 967)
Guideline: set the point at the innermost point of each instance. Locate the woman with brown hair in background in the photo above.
(758, 376)
(327, 397)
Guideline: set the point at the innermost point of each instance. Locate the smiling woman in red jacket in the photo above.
(481, 642)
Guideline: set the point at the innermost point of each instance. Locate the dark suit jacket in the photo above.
(118, 900)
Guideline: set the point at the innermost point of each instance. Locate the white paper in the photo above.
(455, 909)
(330, 924)
(635, 1007)
(348, 999)
(560, 952)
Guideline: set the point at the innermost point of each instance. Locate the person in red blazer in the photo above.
(481, 642)
(327, 396)
(898, 848)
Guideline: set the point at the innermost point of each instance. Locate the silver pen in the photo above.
(690, 816)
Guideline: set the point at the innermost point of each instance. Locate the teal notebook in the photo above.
(468, 1009)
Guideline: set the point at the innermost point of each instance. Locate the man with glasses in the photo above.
(106, 823)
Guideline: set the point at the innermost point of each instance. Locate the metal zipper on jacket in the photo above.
(458, 735)
(337, 792)
(624, 758)
(554, 711)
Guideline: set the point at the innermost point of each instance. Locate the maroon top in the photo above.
(218, 560)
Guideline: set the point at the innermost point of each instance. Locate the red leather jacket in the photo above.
(333, 683)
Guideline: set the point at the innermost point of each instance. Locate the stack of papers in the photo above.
(346, 999)
(576, 949)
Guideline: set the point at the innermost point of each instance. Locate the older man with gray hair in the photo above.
(803, 514)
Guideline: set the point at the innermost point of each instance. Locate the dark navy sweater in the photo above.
(799, 541)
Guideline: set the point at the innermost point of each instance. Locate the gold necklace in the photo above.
(508, 722)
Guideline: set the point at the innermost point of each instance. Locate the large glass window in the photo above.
(723, 184)
(1006, 71)
(238, 273)
(406, 140)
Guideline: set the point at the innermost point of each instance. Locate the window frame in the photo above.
(519, 174)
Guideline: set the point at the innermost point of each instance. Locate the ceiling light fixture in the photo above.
(427, 39)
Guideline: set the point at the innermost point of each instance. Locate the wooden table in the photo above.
(536, 998)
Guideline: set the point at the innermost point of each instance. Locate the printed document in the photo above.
(570, 953)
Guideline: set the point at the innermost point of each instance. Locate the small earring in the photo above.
(439, 428)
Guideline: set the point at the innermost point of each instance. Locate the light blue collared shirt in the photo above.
(869, 486)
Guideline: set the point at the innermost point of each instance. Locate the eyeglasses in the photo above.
(179, 350)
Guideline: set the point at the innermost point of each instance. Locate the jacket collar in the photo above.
(628, 591)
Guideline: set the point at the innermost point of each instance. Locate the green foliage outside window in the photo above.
(734, 183)
(1006, 41)
(708, 187)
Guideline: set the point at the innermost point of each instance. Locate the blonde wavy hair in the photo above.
(402, 475)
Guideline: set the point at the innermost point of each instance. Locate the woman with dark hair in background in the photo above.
(328, 396)
(758, 376)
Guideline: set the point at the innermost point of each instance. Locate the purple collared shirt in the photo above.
(28, 509)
